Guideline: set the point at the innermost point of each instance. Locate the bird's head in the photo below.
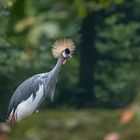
(63, 49)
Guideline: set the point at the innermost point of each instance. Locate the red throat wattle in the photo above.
(64, 61)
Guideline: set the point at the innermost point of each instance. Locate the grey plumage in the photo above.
(32, 92)
(24, 91)
(31, 86)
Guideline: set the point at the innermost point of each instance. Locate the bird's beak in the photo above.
(70, 56)
(65, 60)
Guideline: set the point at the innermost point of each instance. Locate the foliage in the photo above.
(117, 68)
(75, 124)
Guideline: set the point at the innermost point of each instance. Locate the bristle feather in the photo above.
(60, 45)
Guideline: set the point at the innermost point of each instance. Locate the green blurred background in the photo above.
(104, 71)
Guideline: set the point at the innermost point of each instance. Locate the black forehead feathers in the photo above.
(67, 51)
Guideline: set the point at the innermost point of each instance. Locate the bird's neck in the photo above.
(57, 67)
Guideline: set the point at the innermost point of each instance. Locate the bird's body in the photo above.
(32, 92)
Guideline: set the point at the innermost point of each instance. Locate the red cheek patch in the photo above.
(64, 61)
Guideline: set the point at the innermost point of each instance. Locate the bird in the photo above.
(31, 93)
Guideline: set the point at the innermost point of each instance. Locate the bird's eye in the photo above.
(67, 51)
(64, 55)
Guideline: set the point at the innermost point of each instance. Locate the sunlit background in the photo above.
(97, 95)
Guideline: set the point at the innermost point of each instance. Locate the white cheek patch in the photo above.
(27, 107)
(64, 55)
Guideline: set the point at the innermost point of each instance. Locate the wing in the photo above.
(24, 91)
(51, 84)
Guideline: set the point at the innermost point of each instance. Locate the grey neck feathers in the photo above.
(57, 67)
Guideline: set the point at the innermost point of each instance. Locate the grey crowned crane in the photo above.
(28, 97)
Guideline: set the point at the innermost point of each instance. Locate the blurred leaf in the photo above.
(127, 116)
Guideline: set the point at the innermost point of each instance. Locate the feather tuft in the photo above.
(60, 45)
